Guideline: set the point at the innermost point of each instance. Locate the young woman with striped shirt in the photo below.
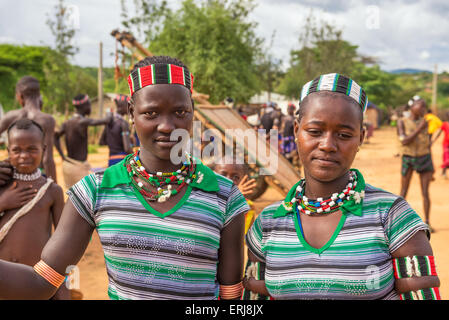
(334, 236)
(168, 231)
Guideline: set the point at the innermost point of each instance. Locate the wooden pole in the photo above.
(100, 81)
(434, 90)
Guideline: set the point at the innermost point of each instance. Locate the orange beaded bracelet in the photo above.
(231, 291)
(49, 274)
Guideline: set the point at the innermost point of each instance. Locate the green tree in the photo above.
(216, 41)
(268, 68)
(16, 62)
(58, 69)
(322, 50)
(380, 86)
(148, 18)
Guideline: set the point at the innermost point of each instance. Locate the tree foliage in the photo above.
(16, 62)
(212, 37)
(322, 50)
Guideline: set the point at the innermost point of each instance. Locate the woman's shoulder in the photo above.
(378, 195)
(384, 202)
(270, 210)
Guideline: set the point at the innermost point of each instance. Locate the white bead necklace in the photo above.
(27, 176)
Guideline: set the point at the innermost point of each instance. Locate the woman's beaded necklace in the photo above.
(163, 183)
(320, 205)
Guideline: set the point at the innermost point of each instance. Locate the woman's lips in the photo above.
(326, 161)
(165, 142)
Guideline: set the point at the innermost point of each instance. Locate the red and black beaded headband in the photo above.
(159, 74)
(81, 101)
(121, 97)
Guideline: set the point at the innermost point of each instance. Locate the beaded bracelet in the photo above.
(423, 294)
(231, 291)
(49, 274)
(418, 266)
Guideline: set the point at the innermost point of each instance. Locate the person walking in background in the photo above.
(416, 155)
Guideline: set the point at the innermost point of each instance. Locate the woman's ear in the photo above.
(362, 136)
(131, 110)
(295, 128)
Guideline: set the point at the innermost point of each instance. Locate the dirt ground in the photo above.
(376, 160)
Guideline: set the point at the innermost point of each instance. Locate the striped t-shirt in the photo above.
(149, 255)
(356, 263)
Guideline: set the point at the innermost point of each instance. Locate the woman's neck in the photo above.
(152, 163)
(324, 189)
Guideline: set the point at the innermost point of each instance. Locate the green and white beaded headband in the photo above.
(335, 82)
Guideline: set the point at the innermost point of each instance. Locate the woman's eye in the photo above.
(181, 113)
(314, 131)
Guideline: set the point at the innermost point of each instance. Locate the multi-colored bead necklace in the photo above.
(163, 183)
(320, 205)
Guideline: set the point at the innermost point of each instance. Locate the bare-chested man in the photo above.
(29, 96)
(116, 135)
(30, 203)
(75, 165)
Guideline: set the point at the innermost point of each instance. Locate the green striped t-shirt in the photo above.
(356, 263)
(153, 256)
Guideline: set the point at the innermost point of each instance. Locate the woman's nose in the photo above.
(165, 125)
(328, 142)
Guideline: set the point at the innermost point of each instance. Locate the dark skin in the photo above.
(155, 111)
(238, 175)
(6, 172)
(122, 109)
(329, 135)
(418, 110)
(25, 241)
(75, 131)
(31, 109)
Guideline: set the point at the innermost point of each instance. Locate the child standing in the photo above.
(30, 204)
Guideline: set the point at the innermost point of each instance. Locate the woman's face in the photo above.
(328, 136)
(157, 111)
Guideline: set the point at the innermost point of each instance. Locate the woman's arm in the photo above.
(251, 284)
(231, 254)
(65, 248)
(418, 245)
